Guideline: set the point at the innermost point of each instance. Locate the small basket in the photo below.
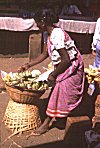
(21, 117)
(97, 106)
(24, 96)
(96, 118)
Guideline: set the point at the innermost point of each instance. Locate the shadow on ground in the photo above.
(62, 144)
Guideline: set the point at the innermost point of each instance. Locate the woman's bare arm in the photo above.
(64, 64)
(37, 60)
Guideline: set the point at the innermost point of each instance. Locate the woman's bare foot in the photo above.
(43, 128)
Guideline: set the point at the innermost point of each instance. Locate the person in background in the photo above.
(96, 44)
(67, 78)
(92, 136)
(70, 9)
(96, 50)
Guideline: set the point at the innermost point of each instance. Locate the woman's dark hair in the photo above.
(47, 17)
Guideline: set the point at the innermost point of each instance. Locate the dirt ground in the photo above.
(51, 139)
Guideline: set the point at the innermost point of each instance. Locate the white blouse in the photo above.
(96, 36)
(60, 39)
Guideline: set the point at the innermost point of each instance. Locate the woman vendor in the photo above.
(67, 79)
(96, 51)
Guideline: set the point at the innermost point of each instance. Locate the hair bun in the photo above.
(48, 16)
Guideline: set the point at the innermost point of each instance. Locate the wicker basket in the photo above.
(21, 117)
(96, 118)
(97, 106)
(24, 96)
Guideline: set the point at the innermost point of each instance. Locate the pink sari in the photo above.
(68, 91)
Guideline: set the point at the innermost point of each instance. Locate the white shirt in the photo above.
(57, 41)
(96, 36)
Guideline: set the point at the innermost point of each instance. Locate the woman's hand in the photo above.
(51, 80)
(24, 67)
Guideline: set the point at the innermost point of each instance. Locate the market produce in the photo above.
(7, 78)
(26, 80)
(92, 74)
(92, 71)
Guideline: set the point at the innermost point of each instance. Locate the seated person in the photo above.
(92, 137)
(70, 9)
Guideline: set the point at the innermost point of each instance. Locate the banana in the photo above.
(7, 78)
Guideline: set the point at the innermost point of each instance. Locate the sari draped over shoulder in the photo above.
(68, 91)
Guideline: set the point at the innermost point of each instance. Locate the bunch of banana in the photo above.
(36, 85)
(22, 75)
(41, 85)
(92, 71)
(92, 74)
(16, 76)
(26, 80)
(19, 76)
